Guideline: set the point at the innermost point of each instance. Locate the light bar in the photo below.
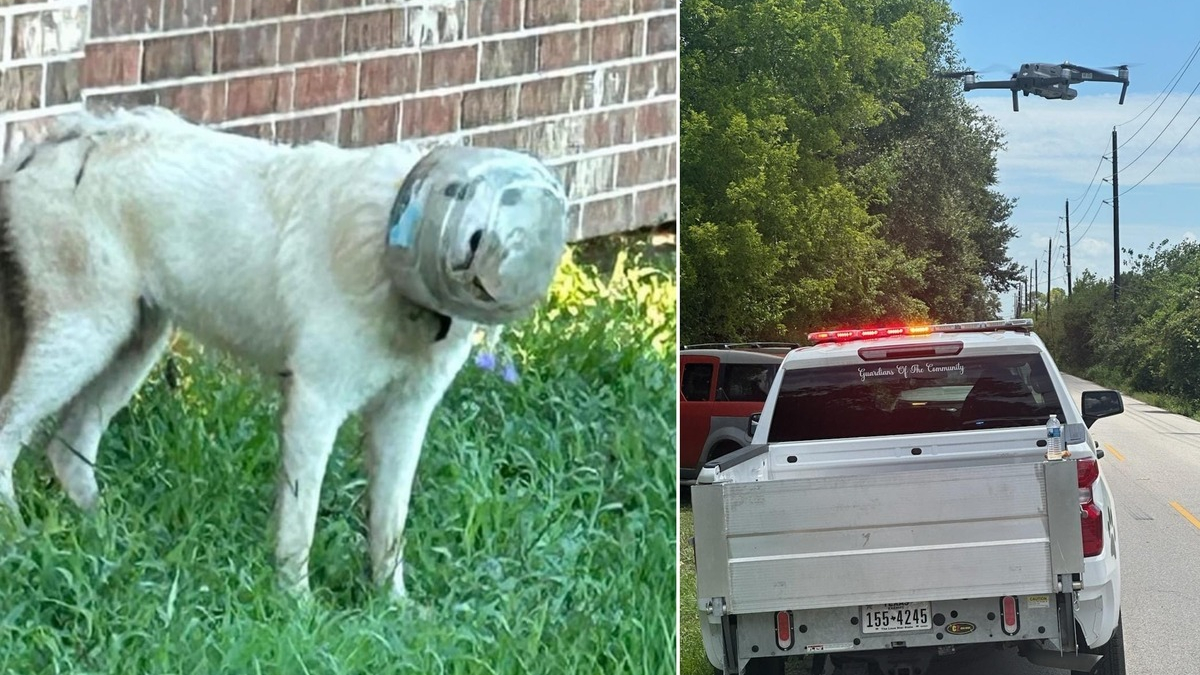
(870, 333)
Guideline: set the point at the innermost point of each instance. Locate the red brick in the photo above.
(662, 34)
(491, 17)
(387, 76)
(615, 86)
(177, 56)
(673, 161)
(202, 102)
(21, 88)
(564, 49)
(617, 41)
(111, 63)
(505, 58)
(656, 120)
(502, 138)
(301, 130)
(326, 5)
(124, 99)
(655, 206)
(37, 34)
(554, 138)
(432, 24)
(325, 85)
(431, 115)
(668, 73)
(62, 82)
(643, 166)
(259, 95)
(651, 78)
(372, 31)
(548, 96)
(311, 39)
(590, 10)
(606, 216)
(640, 6)
(371, 125)
(186, 13)
(270, 9)
(591, 176)
(448, 67)
(549, 12)
(233, 11)
(263, 130)
(493, 105)
(242, 48)
(110, 18)
(608, 128)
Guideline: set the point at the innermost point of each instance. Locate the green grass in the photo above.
(539, 539)
(692, 660)
(1176, 404)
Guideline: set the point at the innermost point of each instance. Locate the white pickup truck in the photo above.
(899, 503)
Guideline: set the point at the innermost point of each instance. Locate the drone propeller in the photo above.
(955, 74)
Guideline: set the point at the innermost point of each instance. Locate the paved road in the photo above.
(1152, 465)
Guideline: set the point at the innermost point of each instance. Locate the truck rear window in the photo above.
(913, 396)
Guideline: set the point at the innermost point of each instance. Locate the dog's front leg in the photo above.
(309, 426)
(396, 423)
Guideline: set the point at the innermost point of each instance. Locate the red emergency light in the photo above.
(849, 335)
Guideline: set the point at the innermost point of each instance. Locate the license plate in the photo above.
(895, 617)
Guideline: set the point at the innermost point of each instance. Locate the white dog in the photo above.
(356, 276)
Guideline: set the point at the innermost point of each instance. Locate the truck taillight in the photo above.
(783, 630)
(1010, 617)
(1090, 516)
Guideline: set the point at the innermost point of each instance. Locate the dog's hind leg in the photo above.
(72, 451)
(61, 355)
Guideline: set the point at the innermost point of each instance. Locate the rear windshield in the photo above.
(914, 396)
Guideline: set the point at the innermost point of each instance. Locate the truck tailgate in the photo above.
(916, 535)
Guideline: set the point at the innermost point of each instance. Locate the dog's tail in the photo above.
(12, 296)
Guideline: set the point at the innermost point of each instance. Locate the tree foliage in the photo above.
(1150, 338)
(827, 178)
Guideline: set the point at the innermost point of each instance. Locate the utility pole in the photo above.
(1029, 286)
(1116, 226)
(1068, 248)
(1035, 283)
(1049, 264)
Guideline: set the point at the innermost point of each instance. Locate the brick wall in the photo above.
(589, 85)
(40, 60)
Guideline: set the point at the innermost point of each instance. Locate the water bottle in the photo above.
(1054, 439)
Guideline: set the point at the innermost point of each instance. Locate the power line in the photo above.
(1094, 174)
(1086, 211)
(1160, 133)
(1174, 83)
(1089, 225)
(1160, 162)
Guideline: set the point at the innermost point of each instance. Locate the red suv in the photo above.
(720, 387)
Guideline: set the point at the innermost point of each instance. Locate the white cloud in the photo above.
(1061, 142)
(1054, 149)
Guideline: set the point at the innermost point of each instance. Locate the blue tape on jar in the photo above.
(403, 231)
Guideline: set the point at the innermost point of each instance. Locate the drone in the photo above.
(1048, 80)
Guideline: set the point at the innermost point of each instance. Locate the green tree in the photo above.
(827, 179)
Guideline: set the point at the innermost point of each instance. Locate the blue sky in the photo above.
(1054, 147)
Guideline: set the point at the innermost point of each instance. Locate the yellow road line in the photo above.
(1114, 452)
(1184, 512)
